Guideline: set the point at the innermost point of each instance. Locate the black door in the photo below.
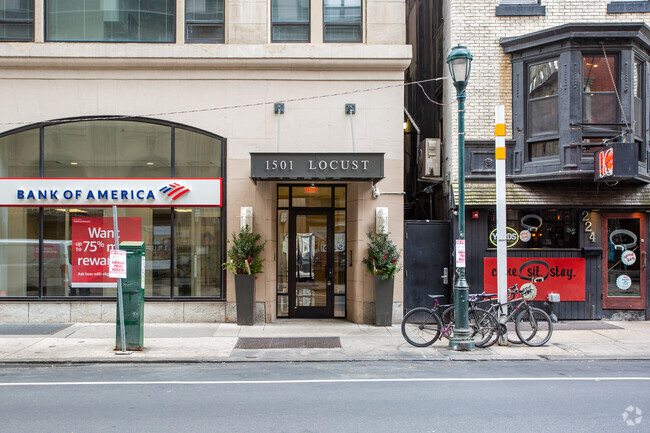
(426, 262)
(310, 282)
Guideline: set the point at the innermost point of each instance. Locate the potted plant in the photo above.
(383, 263)
(245, 261)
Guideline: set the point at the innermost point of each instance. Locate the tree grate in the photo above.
(289, 343)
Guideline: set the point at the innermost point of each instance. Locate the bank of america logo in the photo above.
(174, 190)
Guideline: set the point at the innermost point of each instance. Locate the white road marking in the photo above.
(303, 381)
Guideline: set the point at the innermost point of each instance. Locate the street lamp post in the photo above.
(460, 61)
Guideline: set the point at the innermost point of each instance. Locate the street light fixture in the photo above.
(460, 62)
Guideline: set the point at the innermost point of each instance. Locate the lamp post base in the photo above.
(462, 339)
(461, 345)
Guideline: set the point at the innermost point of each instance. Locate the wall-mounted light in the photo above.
(246, 215)
(381, 220)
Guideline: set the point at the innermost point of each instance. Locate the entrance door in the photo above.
(624, 261)
(310, 283)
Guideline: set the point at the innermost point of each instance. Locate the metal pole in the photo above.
(120, 300)
(462, 339)
(502, 245)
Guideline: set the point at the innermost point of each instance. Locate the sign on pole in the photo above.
(117, 264)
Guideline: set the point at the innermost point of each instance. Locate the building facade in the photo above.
(573, 78)
(284, 113)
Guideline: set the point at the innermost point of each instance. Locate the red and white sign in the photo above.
(566, 276)
(460, 253)
(628, 257)
(606, 163)
(93, 240)
(524, 236)
(117, 264)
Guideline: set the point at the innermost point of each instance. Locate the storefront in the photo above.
(59, 183)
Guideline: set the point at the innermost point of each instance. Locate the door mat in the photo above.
(289, 343)
(31, 328)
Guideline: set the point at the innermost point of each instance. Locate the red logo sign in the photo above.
(565, 276)
(93, 239)
(174, 190)
(606, 163)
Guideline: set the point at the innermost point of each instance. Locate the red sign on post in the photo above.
(92, 241)
(565, 276)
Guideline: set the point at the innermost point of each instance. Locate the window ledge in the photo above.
(628, 7)
(520, 10)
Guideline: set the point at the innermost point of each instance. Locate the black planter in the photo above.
(245, 299)
(383, 301)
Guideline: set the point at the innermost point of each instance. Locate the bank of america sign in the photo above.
(189, 192)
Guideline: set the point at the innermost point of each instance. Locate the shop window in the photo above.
(290, 20)
(204, 21)
(552, 228)
(17, 20)
(342, 20)
(182, 245)
(110, 21)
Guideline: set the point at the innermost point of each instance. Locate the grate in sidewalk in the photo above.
(289, 343)
(31, 328)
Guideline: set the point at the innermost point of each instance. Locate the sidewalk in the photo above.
(301, 340)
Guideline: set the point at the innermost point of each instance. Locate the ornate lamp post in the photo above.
(460, 62)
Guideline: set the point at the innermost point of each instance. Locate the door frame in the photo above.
(617, 302)
(311, 312)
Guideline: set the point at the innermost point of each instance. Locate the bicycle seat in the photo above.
(436, 296)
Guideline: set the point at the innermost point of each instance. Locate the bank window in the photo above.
(534, 228)
(16, 20)
(290, 20)
(110, 21)
(542, 110)
(204, 21)
(342, 20)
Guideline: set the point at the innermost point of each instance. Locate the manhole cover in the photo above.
(31, 328)
(289, 343)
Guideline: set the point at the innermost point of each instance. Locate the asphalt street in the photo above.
(487, 396)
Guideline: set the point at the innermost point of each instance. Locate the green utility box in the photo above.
(133, 298)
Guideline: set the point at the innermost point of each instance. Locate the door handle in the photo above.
(445, 276)
(644, 259)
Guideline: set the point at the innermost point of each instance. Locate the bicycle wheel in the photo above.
(448, 318)
(483, 326)
(421, 327)
(534, 327)
(510, 325)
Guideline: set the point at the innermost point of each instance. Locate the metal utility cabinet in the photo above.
(133, 297)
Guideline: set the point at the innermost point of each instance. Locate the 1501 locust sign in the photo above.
(317, 166)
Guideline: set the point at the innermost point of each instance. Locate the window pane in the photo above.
(542, 80)
(290, 11)
(19, 252)
(205, 33)
(283, 196)
(639, 127)
(542, 116)
(339, 197)
(550, 228)
(342, 11)
(197, 155)
(19, 154)
(596, 76)
(204, 10)
(197, 240)
(342, 33)
(283, 252)
(16, 20)
(110, 20)
(543, 149)
(288, 33)
(107, 149)
(599, 108)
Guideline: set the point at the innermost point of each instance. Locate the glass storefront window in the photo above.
(551, 228)
(283, 262)
(110, 21)
(197, 254)
(77, 240)
(19, 252)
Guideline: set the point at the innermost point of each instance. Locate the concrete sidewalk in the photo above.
(301, 340)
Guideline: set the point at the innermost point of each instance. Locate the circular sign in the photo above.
(524, 235)
(512, 237)
(628, 257)
(623, 282)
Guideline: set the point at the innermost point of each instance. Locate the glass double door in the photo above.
(310, 283)
(624, 261)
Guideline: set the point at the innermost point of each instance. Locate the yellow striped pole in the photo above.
(502, 248)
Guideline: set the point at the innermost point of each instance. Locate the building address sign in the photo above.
(317, 166)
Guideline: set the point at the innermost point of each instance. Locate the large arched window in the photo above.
(184, 246)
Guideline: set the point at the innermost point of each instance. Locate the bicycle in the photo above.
(422, 326)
